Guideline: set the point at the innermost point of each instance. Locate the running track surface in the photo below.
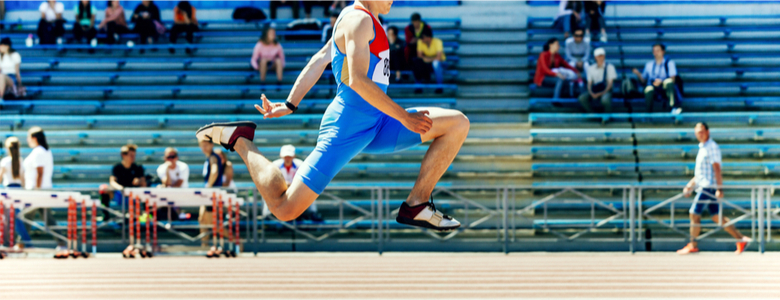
(398, 276)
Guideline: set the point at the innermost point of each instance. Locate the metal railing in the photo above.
(508, 218)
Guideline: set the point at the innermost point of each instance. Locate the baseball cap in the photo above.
(599, 51)
(287, 150)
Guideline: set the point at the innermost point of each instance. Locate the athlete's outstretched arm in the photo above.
(356, 44)
(306, 80)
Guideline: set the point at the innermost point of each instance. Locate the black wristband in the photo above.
(290, 106)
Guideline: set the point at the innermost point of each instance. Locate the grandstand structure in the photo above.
(532, 168)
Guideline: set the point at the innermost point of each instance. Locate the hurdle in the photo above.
(29, 200)
(223, 233)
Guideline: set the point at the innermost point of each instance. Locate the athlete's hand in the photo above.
(272, 110)
(418, 122)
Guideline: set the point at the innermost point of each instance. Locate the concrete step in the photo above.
(493, 49)
(476, 105)
(494, 76)
(492, 63)
(491, 36)
(493, 91)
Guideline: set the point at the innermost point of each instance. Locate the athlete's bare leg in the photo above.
(449, 131)
(285, 203)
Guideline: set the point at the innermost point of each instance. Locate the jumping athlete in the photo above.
(362, 118)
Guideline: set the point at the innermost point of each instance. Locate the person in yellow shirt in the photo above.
(430, 58)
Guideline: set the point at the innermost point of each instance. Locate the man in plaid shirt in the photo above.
(708, 182)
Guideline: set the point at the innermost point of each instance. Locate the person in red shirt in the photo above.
(413, 33)
(552, 70)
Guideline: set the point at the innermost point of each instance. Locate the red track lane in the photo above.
(399, 276)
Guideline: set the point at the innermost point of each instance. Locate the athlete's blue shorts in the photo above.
(346, 130)
(702, 199)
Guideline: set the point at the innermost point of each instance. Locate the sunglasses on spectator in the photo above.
(578, 35)
(171, 156)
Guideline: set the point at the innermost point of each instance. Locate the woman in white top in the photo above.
(51, 27)
(11, 78)
(39, 165)
(11, 166)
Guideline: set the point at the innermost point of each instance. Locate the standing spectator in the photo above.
(212, 175)
(412, 34)
(569, 16)
(39, 164)
(430, 58)
(38, 170)
(173, 173)
(397, 61)
(553, 71)
(146, 17)
(127, 173)
(600, 79)
(51, 27)
(114, 22)
(268, 53)
(184, 20)
(84, 27)
(293, 4)
(594, 18)
(11, 77)
(578, 50)
(327, 30)
(289, 165)
(708, 183)
(12, 172)
(659, 80)
(11, 166)
(227, 166)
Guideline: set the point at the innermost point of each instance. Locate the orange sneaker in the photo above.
(688, 249)
(741, 245)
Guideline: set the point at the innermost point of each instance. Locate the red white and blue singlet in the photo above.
(351, 125)
(379, 65)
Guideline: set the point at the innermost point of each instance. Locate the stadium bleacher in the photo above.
(90, 104)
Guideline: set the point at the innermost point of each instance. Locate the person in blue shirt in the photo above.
(659, 78)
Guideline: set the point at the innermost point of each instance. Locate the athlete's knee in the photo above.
(285, 214)
(462, 121)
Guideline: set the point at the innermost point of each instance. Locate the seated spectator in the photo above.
(127, 173)
(114, 22)
(84, 27)
(397, 61)
(578, 50)
(11, 78)
(293, 4)
(327, 30)
(659, 80)
(212, 175)
(594, 18)
(430, 58)
(569, 16)
(268, 53)
(51, 28)
(173, 173)
(412, 34)
(227, 174)
(553, 71)
(146, 17)
(184, 20)
(601, 76)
